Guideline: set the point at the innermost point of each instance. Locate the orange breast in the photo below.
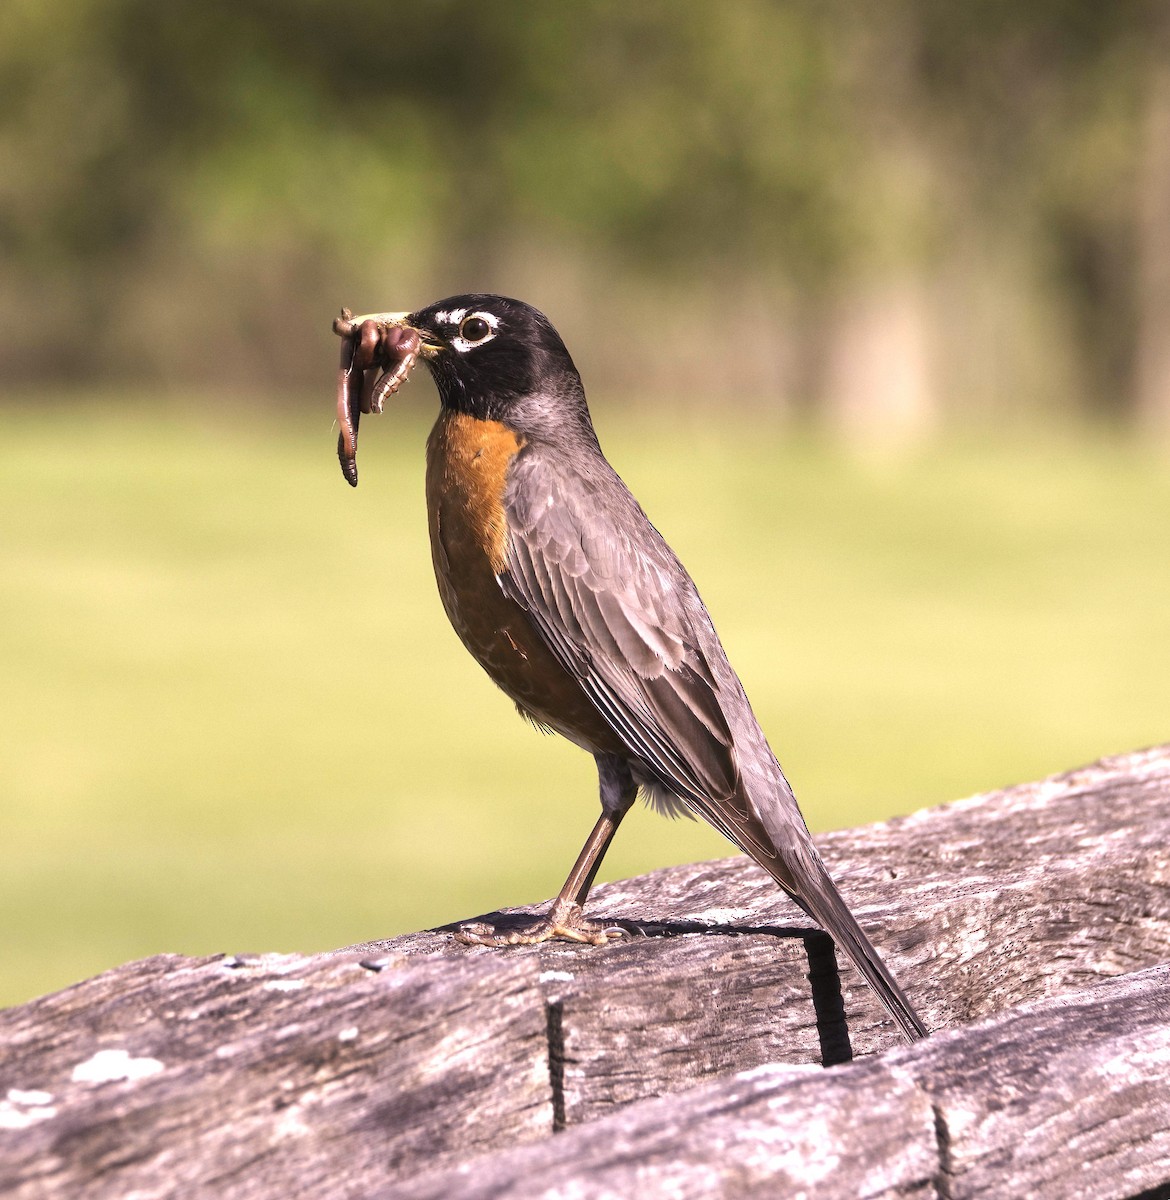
(467, 466)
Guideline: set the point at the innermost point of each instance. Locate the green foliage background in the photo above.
(186, 188)
(872, 301)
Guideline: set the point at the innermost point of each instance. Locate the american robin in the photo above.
(571, 600)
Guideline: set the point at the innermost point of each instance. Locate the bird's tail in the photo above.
(824, 903)
(775, 835)
(808, 883)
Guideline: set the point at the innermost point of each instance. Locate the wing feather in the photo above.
(602, 589)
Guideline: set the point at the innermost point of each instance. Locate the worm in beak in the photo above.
(377, 355)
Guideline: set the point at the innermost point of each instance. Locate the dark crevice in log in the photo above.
(824, 978)
(507, 919)
(555, 1016)
(674, 929)
(1161, 1192)
(942, 1138)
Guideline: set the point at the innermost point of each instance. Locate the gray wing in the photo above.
(619, 611)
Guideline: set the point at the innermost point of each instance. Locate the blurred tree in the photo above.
(897, 206)
(1153, 239)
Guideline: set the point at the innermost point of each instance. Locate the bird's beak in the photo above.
(428, 349)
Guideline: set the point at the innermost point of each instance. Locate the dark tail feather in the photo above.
(819, 897)
(775, 835)
(826, 906)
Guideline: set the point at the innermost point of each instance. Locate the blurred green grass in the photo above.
(233, 716)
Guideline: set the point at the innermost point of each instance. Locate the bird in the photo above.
(574, 604)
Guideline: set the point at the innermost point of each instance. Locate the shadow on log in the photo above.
(421, 1067)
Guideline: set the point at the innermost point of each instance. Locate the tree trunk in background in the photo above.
(1152, 377)
(879, 389)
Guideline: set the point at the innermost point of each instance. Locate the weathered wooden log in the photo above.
(1060, 1099)
(291, 1076)
(273, 1076)
(977, 906)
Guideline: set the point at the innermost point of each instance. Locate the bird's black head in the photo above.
(501, 360)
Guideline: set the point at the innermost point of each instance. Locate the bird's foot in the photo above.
(565, 920)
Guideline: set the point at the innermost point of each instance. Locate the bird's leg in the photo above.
(565, 918)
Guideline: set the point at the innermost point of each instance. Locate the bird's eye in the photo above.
(474, 329)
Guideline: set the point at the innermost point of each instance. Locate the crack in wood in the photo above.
(554, 1018)
(942, 1138)
(1161, 1192)
(824, 978)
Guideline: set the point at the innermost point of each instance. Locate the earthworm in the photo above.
(361, 350)
(397, 344)
(343, 325)
(348, 413)
(367, 355)
(365, 348)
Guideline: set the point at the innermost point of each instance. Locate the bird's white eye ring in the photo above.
(475, 328)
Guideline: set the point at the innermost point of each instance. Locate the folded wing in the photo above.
(616, 608)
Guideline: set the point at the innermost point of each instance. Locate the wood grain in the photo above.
(287, 1076)
(272, 1076)
(1061, 1100)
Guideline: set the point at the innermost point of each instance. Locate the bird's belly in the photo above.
(467, 464)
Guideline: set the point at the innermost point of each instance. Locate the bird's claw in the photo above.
(565, 921)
